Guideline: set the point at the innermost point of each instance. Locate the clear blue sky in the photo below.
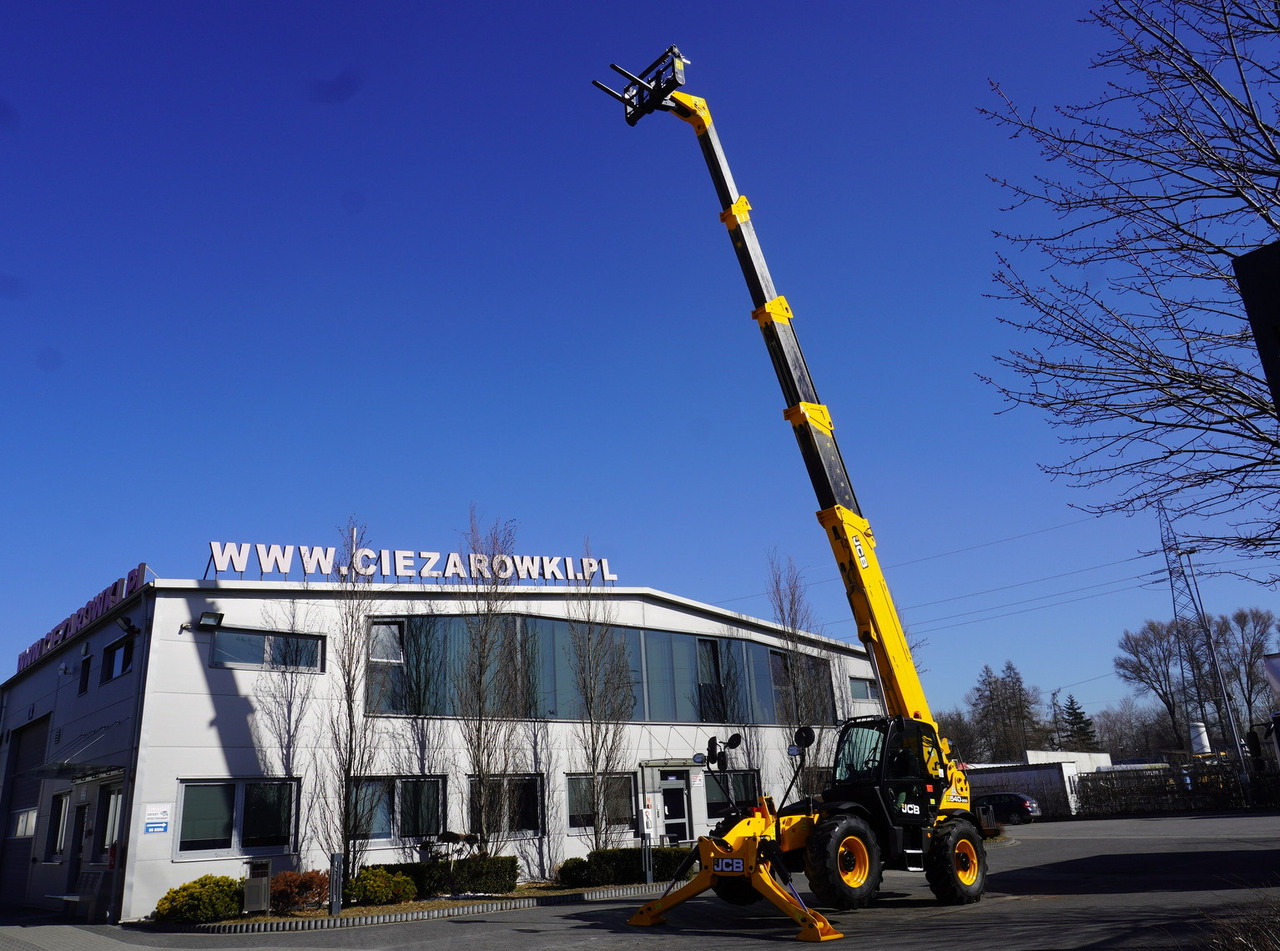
(265, 265)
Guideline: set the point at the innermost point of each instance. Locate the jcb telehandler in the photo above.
(897, 799)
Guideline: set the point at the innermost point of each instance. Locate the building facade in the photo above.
(176, 728)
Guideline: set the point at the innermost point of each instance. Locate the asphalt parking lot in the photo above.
(1120, 883)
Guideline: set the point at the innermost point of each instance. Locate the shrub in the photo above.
(208, 898)
(377, 886)
(290, 890)
(575, 873)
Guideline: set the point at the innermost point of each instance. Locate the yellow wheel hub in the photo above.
(855, 863)
(966, 859)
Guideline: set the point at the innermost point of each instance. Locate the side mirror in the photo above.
(804, 737)
(733, 742)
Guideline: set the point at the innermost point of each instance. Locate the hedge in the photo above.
(476, 874)
(605, 867)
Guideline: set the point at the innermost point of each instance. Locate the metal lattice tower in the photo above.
(1188, 619)
(1202, 680)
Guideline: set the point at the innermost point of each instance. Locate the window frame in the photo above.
(55, 837)
(872, 690)
(632, 824)
(395, 810)
(235, 841)
(508, 780)
(723, 807)
(268, 650)
(122, 648)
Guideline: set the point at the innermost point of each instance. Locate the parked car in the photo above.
(1013, 808)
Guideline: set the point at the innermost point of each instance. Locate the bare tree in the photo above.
(600, 666)
(417, 742)
(283, 700)
(353, 738)
(1139, 348)
(802, 679)
(1243, 639)
(1151, 660)
(493, 687)
(1131, 732)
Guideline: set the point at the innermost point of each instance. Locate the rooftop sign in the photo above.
(97, 606)
(404, 565)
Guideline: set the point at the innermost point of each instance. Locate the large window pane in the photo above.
(207, 814)
(672, 667)
(295, 652)
(372, 805)
(384, 642)
(619, 802)
(419, 807)
(268, 814)
(239, 647)
(743, 788)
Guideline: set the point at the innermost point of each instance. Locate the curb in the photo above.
(360, 921)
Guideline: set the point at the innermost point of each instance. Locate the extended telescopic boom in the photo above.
(848, 532)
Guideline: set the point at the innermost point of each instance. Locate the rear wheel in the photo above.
(956, 866)
(842, 863)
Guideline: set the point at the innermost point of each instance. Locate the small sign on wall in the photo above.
(155, 817)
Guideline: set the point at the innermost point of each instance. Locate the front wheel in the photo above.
(842, 863)
(956, 866)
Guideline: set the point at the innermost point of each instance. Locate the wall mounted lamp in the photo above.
(209, 621)
(127, 625)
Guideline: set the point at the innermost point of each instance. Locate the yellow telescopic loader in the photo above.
(897, 799)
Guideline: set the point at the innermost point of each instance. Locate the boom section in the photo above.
(848, 532)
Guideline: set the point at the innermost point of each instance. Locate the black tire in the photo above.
(956, 866)
(843, 863)
(1015, 818)
(734, 889)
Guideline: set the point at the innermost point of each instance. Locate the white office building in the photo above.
(170, 729)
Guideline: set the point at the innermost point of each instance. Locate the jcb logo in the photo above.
(728, 865)
(911, 809)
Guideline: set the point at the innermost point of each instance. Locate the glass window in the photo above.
(117, 659)
(419, 808)
(619, 802)
(711, 696)
(265, 650)
(22, 823)
(385, 642)
(237, 816)
(512, 803)
(207, 813)
(55, 842)
(372, 803)
(743, 786)
(268, 815)
(861, 689)
(671, 664)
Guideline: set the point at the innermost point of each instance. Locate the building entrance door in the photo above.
(674, 784)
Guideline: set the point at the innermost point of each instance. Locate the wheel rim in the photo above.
(855, 863)
(966, 860)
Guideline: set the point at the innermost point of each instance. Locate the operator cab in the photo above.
(892, 766)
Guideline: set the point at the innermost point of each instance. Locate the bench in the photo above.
(88, 889)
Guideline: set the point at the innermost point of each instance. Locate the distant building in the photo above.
(175, 728)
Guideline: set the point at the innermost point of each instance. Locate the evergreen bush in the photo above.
(379, 886)
(208, 898)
